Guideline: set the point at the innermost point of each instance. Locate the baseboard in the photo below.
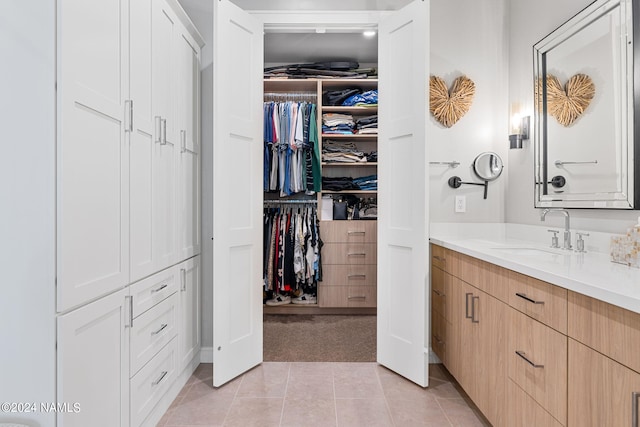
(206, 355)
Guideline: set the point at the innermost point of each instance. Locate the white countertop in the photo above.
(519, 248)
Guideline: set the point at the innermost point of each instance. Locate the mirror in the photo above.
(488, 166)
(586, 118)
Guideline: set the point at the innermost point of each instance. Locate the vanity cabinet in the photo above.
(530, 353)
(604, 363)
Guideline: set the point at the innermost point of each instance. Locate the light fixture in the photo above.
(369, 33)
(519, 131)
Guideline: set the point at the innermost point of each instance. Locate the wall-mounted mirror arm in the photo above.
(456, 182)
(557, 181)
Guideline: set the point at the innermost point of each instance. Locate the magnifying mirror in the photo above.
(488, 166)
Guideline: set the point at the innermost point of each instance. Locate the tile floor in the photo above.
(321, 394)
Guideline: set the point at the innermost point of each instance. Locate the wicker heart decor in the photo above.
(568, 103)
(448, 108)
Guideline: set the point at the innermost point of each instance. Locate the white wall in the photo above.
(470, 37)
(27, 213)
(530, 22)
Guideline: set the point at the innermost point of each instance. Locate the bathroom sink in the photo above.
(525, 251)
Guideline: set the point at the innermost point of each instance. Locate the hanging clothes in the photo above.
(291, 148)
(291, 256)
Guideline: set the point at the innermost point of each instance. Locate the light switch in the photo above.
(461, 204)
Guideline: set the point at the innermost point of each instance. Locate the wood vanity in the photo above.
(530, 353)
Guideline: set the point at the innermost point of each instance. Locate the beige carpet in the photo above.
(319, 338)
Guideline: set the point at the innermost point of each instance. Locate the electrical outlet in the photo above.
(461, 204)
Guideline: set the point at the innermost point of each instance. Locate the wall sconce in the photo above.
(520, 131)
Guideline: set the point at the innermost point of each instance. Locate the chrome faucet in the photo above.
(567, 232)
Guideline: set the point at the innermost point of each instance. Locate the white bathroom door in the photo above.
(403, 274)
(237, 192)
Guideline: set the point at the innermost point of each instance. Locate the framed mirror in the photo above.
(587, 122)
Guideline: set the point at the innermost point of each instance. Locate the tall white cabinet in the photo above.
(124, 182)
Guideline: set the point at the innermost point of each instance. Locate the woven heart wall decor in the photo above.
(567, 103)
(449, 107)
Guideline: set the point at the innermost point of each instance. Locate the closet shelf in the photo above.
(368, 137)
(343, 164)
(352, 110)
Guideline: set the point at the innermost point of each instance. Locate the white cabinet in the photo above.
(93, 363)
(92, 218)
(189, 329)
(188, 159)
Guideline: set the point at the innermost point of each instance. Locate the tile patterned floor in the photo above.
(321, 394)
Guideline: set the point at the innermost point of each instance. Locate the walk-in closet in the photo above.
(328, 223)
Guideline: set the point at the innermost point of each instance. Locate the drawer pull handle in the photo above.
(635, 396)
(438, 340)
(164, 325)
(466, 305)
(525, 297)
(437, 292)
(473, 309)
(160, 378)
(357, 276)
(357, 297)
(356, 233)
(159, 288)
(523, 355)
(439, 258)
(357, 254)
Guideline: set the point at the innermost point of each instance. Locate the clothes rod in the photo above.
(291, 202)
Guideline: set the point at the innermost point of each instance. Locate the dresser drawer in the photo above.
(341, 275)
(611, 330)
(347, 296)
(152, 331)
(152, 382)
(523, 411)
(349, 253)
(540, 300)
(349, 231)
(537, 362)
(148, 292)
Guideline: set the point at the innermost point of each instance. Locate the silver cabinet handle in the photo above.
(128, 106)
(183, 141)
(164, 132)
(357, 276)
(160, 378)
(183, 280)
(437, 292)
(525, 297)
(158, 129)
(466, 305)
(357, 297)
(439, 258)
(159, 288)
(634, 408)
(357, 233)
(164, 325)
(357, 254)
(523, 355)
(473, 309)
(129, 298)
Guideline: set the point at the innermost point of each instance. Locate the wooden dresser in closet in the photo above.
(349, 264)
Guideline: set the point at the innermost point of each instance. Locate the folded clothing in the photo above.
(369, 98)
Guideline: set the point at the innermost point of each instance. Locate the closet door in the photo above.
(188, 157)
(403, 276)
(142, 143)
(237, 192)
(92, 150)
(163, 84)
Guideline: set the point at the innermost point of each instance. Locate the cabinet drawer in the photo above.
(439, 336)
(347, 296)
(439, 256)
(349, 253)
(148, 292)
(523, 411)
(152, 382)
(533, 343)
(349, 231)
(540, 300)
(340, 275)
(153, 330)
(488, 277)
(611, 330)
(440, 288)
